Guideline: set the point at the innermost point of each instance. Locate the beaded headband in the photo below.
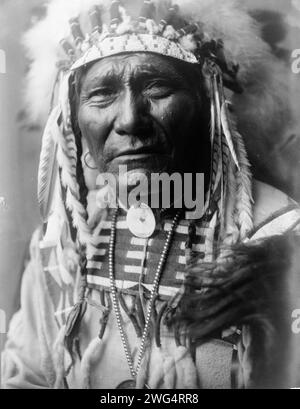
(168, 34)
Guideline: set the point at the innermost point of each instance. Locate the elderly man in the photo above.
(143, 89)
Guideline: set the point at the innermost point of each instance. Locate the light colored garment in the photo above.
(31, 358)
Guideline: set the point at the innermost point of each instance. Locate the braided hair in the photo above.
(73, 93)
(76, 315)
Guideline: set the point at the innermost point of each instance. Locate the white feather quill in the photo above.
(228, 133)
(47, 173)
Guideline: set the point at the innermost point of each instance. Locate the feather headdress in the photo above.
(76, 32)
(219, 36)
(226, 20)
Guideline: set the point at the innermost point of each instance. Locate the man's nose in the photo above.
(132, 118)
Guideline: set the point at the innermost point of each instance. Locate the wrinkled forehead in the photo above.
(133, 66)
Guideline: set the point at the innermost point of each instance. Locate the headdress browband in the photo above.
(170, 35)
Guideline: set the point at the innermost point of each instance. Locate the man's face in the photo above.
(143, 111)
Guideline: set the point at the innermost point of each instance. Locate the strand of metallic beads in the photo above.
(153, 293)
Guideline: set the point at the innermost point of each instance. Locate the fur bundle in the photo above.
(258, 288)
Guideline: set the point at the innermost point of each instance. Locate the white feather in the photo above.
(47, 173)
(188, 42)
(228, 133)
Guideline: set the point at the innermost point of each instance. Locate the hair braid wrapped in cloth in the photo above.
(61, 140)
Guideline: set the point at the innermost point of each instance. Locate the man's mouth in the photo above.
(140, 153)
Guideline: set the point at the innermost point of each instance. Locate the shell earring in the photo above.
(85, 160)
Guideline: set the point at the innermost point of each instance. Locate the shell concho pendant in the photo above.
(141, 221)
(129, 384)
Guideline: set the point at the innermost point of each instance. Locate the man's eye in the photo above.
(159, 89)
(102, 94)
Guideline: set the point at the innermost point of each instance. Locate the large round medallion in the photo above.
(128, 384)
(141, 221)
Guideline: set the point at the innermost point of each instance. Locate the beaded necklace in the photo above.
(131, 383)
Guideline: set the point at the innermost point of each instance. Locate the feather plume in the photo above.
(188, 42)
(244, 199)
(216, 96)
(219, 137)
(228, 133)
(231, 228)
(215, 145)
(47, 173)
(212, 141)
(126, 26)
(244, 202)
(151, 26)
